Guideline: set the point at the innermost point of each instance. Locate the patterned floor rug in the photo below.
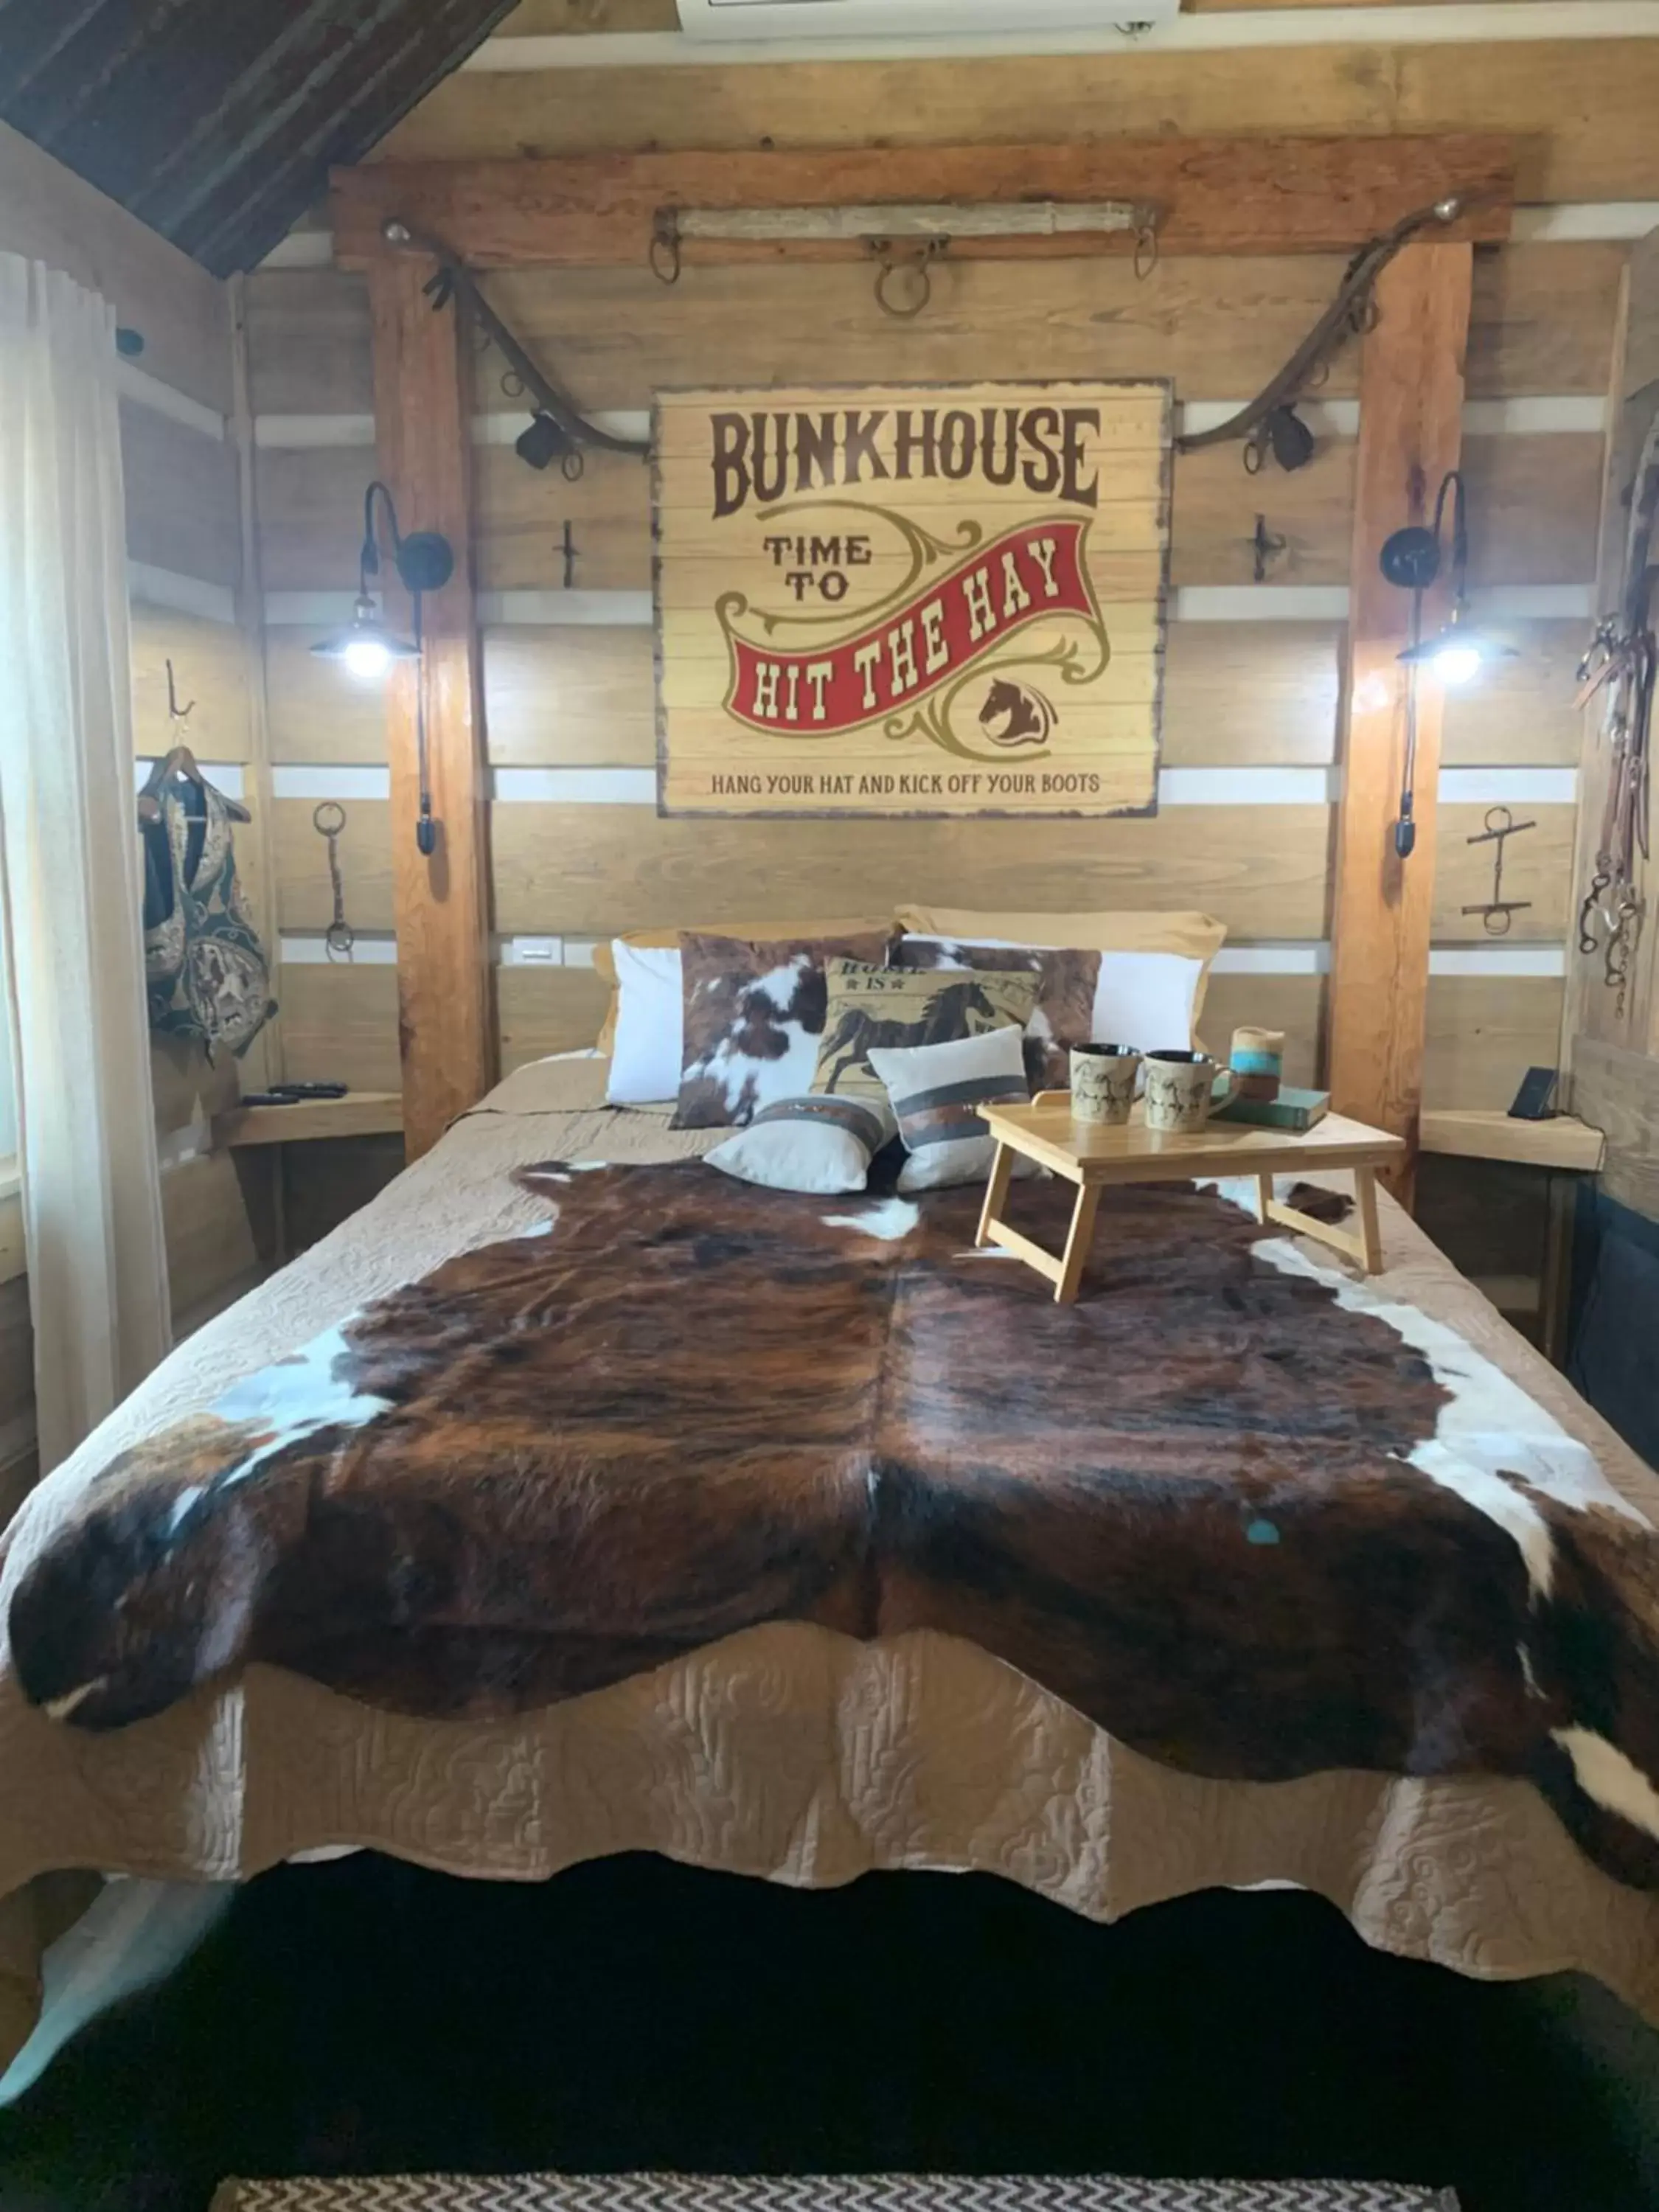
(880, 2192)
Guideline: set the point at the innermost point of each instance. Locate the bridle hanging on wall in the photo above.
(1623, 660)
(567, 430)
(1269, 425)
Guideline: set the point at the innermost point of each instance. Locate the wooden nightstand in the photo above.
(1562, 1148)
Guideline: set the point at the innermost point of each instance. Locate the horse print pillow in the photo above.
(1066, 985)
(1130, 996)
(894, 1008)
(753, 1017)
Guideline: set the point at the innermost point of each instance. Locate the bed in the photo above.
(810, 1729)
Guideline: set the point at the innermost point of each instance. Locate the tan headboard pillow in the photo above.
(757, 932)
(1195, 936)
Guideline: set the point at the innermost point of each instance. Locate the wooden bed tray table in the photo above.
(1092, 1157)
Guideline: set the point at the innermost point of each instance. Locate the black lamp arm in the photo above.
(454, 281)
(368, 561)
(1452, 484)
(424, 562)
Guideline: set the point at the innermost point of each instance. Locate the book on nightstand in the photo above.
(1295, 1110)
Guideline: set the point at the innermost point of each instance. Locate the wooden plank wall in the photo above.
(1253, 678)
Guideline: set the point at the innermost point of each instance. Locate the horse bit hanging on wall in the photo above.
(329, 819)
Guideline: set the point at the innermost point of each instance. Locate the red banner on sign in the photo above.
(821, 689)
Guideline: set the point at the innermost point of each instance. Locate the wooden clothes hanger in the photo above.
(182, 762)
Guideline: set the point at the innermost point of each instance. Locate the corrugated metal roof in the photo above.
(216, 121)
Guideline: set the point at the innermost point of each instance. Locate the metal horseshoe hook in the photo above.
(916, 266)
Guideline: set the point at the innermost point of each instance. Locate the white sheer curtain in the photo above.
(69, 862)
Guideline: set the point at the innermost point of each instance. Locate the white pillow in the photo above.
(935, 1088)
(647, 1047)
(1145, 999)
(813, 1143)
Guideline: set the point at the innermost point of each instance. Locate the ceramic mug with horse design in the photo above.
(1104, 1082)
(1179, 1091)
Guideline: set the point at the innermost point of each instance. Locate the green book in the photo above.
(1295, 1110)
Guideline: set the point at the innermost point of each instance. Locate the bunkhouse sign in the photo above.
(903, 600)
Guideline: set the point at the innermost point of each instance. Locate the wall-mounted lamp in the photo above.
(1412, 559)
(368, 646)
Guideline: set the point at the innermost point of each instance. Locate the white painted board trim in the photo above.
(1177, 787)
(1508, 786)
(378, 949)
(1246, 786)
(1314, 959)
(298, 780)
(301, 249)
(575, 786)
(1259, 603)
(588, 609)
(144, 389)
(1575, 222)
(1326, 418)
(1471, 21)
(1498, 960)
(1189, 603)
(186, 595)
(227, 777)
(309, 949)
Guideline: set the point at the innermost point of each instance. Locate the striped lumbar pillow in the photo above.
(813, 1143)
(936, 1091)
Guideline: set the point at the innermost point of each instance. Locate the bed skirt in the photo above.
(793, 1754)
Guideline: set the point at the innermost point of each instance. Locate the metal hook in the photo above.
(175, 711)
(665, 247)
(916, 266)
(1146, 258)
(1267, 546)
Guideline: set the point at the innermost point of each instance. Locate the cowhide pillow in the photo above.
(753, 1015)
(893, 1007)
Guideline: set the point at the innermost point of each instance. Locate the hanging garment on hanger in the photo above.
(205, 970)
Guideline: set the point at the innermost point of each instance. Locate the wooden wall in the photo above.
(1254, 672)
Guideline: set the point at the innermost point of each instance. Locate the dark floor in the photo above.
(367, 2017)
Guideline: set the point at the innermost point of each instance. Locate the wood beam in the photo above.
(1411, 403)
(447, 1025)
(1213, 195)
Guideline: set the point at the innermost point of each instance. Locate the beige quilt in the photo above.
(787, 1751)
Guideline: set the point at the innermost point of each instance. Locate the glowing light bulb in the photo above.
(1456, 663)
(367, 656)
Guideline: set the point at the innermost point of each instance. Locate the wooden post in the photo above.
(446, 1000)
(1411, 402)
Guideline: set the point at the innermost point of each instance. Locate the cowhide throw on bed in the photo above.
(1231, 1507)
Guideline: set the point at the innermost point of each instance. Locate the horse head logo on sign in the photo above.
(1026, 717)
(914, 606)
